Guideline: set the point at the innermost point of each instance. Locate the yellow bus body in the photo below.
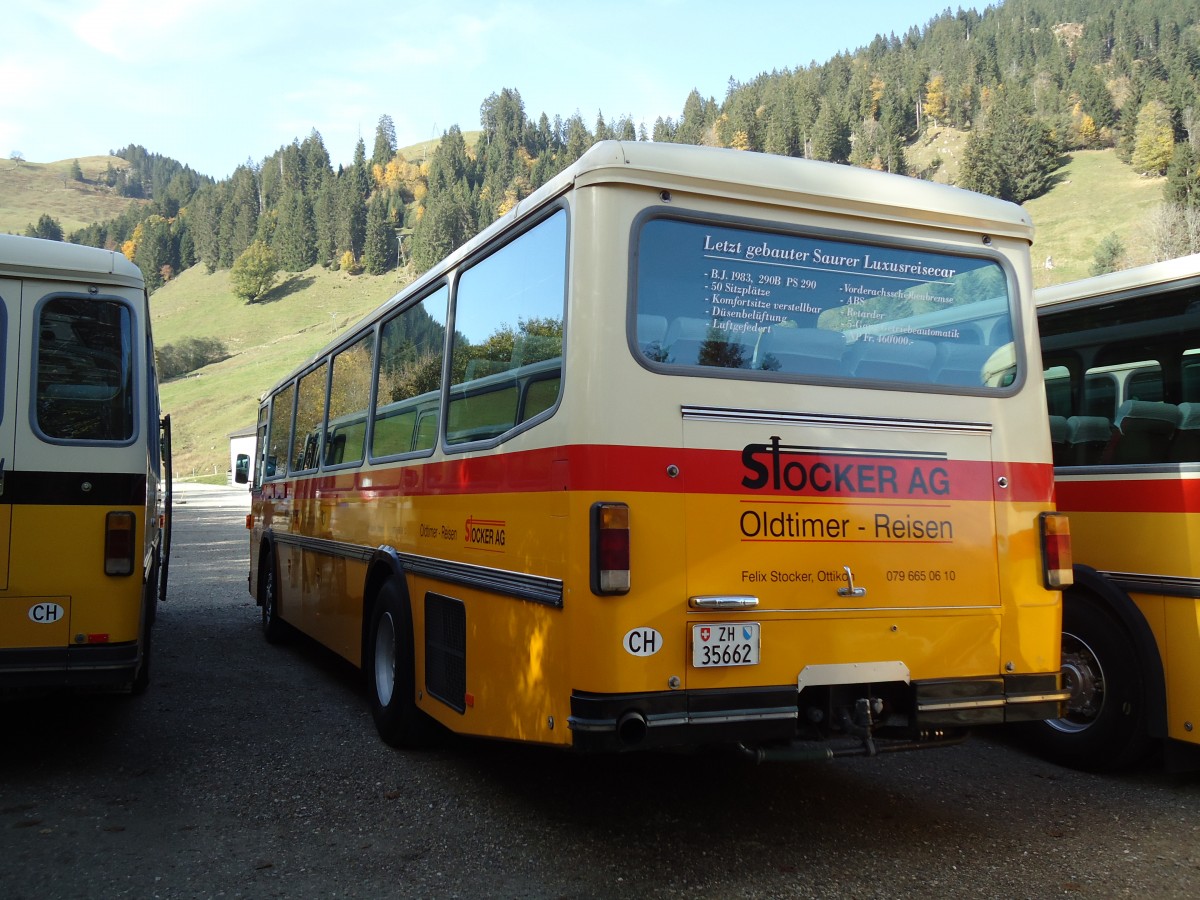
(920, 504)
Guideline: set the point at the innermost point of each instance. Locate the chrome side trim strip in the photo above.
(768, 416)
(1038, 698)
(325, 546)
(537, 588)
(1167, 585)
(576, 723)
(976, 703)
(521, 585)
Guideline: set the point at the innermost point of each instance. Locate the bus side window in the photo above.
(408, 375)
(508, 330)
(425, 435)
(349, 397)
(279, 430)
(540, 395)
(394, 433)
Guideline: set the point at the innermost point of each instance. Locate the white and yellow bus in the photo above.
(1122, 358)
(84, 470)
(693, 446)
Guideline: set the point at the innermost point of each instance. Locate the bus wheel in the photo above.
(141, 680)
(273, 627)
(1105, 724)
(390, 671)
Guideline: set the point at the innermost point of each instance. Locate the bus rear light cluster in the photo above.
(1057, 572)
(118, 543)
(610, 548)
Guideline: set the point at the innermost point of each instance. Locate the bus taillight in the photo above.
(610, 548)
(118, 543)
(1057, 570)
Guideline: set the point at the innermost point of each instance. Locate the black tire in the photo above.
(1105, 725)
(141, 679)
(273, 627)
(389, 668)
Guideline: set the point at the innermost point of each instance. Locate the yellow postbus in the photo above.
(691, 447)
(1122, 372)
(84, 470)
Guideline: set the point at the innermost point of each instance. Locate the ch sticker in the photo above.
(642, 642)
(46, 613)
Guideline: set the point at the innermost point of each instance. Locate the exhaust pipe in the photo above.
(631, 728)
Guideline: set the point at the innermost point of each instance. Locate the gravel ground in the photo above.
(250, 770)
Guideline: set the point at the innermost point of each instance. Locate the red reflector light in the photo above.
(1057, 562)
(118, 543)
(97, 638)
(610, 548)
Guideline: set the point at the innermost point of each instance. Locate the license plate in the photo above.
(725, 644)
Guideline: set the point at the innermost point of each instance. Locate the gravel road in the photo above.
(251, 770)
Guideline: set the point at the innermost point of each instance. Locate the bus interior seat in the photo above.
(1146, 428)
(911, 361)
(809, 351)
(961, 364)
(1087, 438)
(691, 342)
(1185, 445)
(686, 328)
(683, 338)
(1058, 440)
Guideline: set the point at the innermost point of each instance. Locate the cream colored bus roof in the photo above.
(24, 257)
(1115, 285)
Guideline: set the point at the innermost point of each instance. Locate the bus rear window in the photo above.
(784, 305)
(84, 378)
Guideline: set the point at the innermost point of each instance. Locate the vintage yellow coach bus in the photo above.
(1122, 358)
(84, 470)
(692, 447)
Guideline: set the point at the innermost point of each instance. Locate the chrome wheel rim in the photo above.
(1083, 676)
(385, 659)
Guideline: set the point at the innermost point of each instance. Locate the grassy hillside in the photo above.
(1096, 195)
(29, 189)
(266, 340)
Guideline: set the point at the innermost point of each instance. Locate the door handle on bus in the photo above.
(723, 601)
(850, 590)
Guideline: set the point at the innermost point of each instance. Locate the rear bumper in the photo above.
(923, 713)
(107, 665)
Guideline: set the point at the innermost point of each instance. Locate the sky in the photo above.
(216, 83)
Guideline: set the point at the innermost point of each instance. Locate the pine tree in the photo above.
(46, 228)
(1183, 177)
(377, 250)
(295, 236)
(830, 138)
(385, 142)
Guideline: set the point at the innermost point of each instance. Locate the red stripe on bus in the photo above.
(1168, 495)
(648, 469)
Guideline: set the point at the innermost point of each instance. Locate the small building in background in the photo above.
(240, 441)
